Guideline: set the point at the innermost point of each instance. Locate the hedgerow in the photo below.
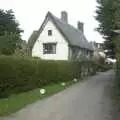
(18, 74)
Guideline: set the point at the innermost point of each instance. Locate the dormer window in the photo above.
(49, 32)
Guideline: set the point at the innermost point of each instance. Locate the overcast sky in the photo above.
(31, 13)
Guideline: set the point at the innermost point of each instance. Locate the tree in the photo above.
(22, 49)
(8, 22)
(8, 43)
(9, 32)
(106, 18)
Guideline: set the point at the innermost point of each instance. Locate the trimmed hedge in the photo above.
(18, 74)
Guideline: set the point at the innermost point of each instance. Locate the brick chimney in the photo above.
(80, 26)
(64, 16)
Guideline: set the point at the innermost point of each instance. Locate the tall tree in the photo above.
(8, 22)
(9, 32)
(106, 18)
(116, 6)
(8, 43)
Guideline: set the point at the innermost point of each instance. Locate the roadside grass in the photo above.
(16, 102)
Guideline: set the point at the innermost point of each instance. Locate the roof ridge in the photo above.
(63, 21)
(73, 36)
(67, 23)
(79, 33)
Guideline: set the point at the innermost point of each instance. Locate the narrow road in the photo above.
(87, 100)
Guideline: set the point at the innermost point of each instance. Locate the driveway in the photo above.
(86, 100)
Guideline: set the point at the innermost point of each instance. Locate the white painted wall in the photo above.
(62, 49)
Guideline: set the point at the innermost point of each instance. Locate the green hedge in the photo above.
(104, 67)
(118, 76)
(117, 83)
(19, 74)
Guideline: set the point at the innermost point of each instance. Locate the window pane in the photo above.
(49, 48)
(49, 32)
(54, 49)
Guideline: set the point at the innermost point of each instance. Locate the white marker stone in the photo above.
(75, 80)
(63, 84)
(42, 91)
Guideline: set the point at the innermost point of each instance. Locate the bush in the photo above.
(8, 43)
(118, 77)
(103, 67)
(19, 74)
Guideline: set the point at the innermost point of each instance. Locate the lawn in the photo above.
(19, 101)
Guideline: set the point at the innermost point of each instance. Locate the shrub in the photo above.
(103, 67)
(19, 74)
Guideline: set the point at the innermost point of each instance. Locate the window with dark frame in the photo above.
(49, 32)
(49, 48)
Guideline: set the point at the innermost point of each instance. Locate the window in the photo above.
(49, 48)
(49, 32)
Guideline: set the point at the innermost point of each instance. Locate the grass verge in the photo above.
(19, 101)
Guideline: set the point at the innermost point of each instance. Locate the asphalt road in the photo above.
(86, 100)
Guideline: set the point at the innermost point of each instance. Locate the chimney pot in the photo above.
(80, 26)
(64, 16)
